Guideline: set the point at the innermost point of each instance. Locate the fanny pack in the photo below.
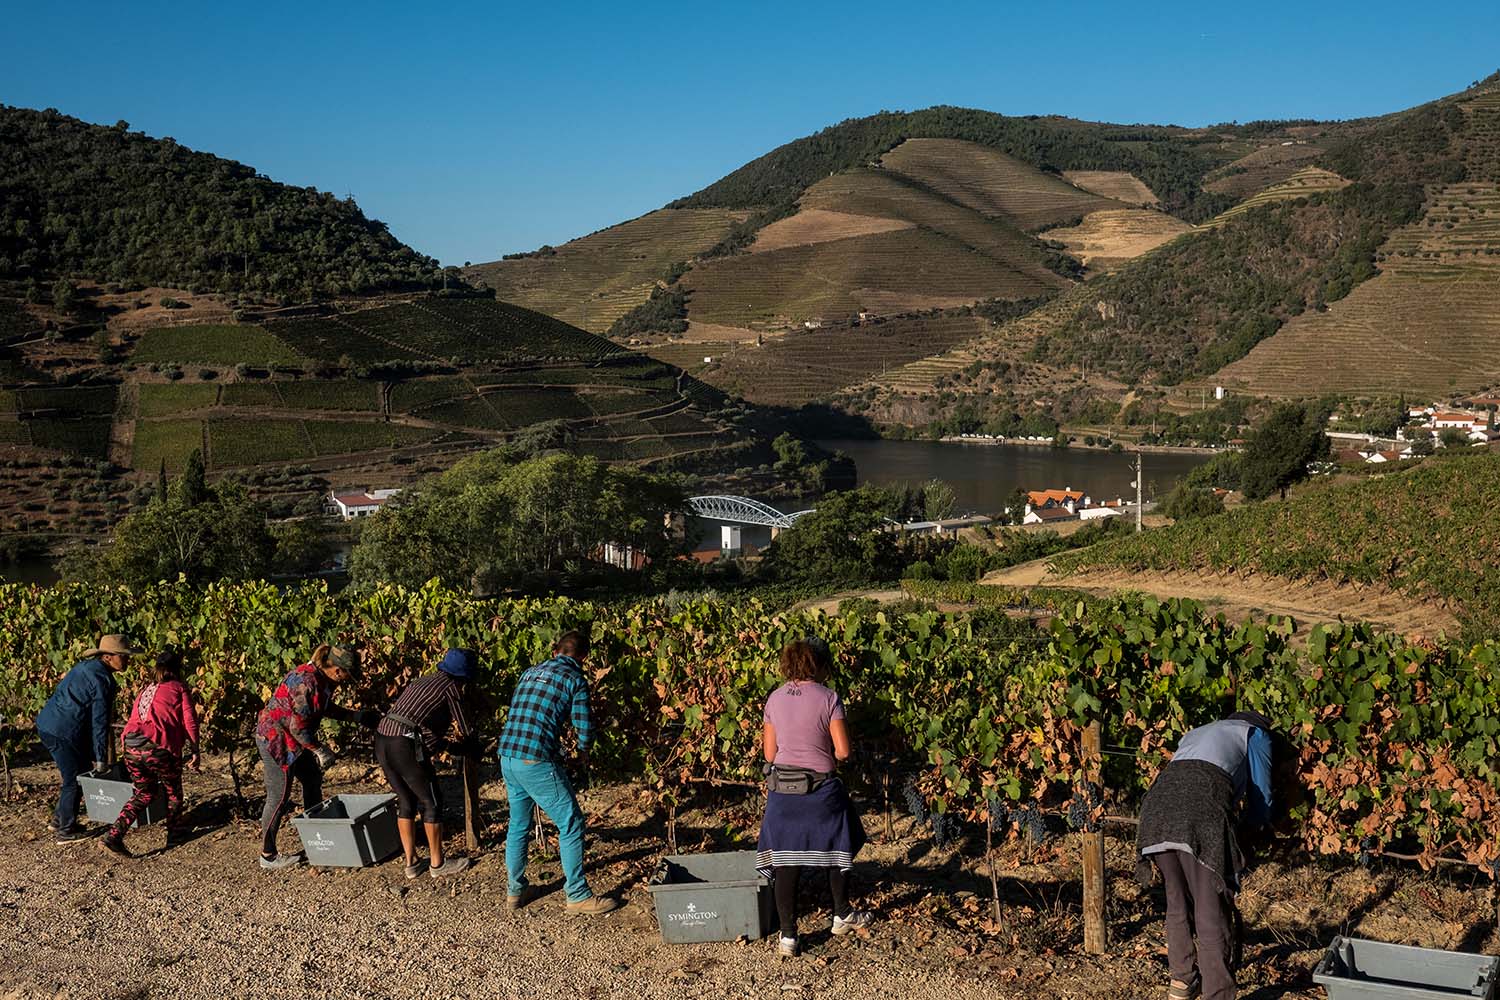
(793, 780)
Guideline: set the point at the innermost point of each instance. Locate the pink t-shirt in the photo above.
(800, 712)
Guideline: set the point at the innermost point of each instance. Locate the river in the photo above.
(985, 477)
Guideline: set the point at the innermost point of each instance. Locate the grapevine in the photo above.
(1395, 737)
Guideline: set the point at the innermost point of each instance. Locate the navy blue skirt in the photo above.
(820, 830)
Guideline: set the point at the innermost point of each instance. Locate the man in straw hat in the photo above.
(74, 726)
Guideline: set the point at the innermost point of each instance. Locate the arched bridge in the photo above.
(742, 510)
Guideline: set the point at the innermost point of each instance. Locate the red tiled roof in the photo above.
(1039, 497)
(357, 500)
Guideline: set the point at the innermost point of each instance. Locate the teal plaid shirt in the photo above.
(547, 697)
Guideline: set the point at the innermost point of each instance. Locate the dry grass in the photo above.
(1111, 237)
(1428, 324)
(593, 281)
(991, 183)
(1116, 184)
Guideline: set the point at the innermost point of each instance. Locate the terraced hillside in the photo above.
(1108, 238)
(1428, 532)
(1264, 167)
(810, 365)
(886, 273)
(1428, 324)
(594, 280)
(1116, 185)
(380, 389)
(1303, 183)
(992, 183)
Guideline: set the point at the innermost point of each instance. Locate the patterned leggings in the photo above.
(153, 770)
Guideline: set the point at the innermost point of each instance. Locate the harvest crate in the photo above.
(1355, 969)
(350, 831)
(711, 897)
(106, 792)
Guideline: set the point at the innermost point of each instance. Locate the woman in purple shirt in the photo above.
(809, 820)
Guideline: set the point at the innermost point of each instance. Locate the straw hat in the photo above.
(115, 644)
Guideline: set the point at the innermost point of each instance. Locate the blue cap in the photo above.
(459, 663)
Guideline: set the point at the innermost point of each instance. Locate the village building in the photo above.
(349, 506)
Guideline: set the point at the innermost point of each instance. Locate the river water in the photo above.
(985, 477)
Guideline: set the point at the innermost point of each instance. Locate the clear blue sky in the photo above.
(476, 130)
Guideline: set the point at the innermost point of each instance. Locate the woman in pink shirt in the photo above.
(162, 728)
(809, 821)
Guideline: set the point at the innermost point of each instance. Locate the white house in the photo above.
(1462, 421)
(1094, 513)
(351, 505)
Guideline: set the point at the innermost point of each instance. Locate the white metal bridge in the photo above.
(742, 510)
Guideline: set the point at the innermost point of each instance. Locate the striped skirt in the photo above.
(819, 830)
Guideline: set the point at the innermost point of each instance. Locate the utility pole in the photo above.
(1139, 493)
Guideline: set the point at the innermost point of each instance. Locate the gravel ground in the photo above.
(202, 921)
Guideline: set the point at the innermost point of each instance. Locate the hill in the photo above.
(1274, 257)
(885, 215)
(594, 280)
(1363, 267)
(111, 205)
(366, 394)
(1426, 532)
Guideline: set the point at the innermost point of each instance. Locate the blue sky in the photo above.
(477, 130)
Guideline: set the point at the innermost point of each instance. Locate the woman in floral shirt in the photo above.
(286, 734)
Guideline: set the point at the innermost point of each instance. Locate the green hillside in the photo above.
(112, 205)
(1429, 532)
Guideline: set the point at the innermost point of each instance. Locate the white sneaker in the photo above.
(856, 920)
(281, 861)
(450, 866)
(787, 947)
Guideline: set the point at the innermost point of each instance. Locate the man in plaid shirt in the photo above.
(547, 697)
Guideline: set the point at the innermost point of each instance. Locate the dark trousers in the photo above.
(279, 792)
(1198, 901)
(785, 880)
(414, 781)
(72, 759)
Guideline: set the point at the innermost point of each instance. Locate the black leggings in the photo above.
(414, 781)
(785, 882)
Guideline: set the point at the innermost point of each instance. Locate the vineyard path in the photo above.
(1240, 596)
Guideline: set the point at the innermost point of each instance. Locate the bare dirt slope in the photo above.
(1241, 596)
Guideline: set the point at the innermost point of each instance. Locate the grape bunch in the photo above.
(915, 803)
(1083, 807)
(1028, 819)
(941, 828)
(1366, 846)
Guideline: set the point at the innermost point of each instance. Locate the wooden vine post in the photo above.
(1095, 930)
(471, 802)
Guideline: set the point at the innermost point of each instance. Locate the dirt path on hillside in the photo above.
(1258, 596)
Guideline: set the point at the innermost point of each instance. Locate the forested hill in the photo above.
(1171, 161)
(107, 204)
